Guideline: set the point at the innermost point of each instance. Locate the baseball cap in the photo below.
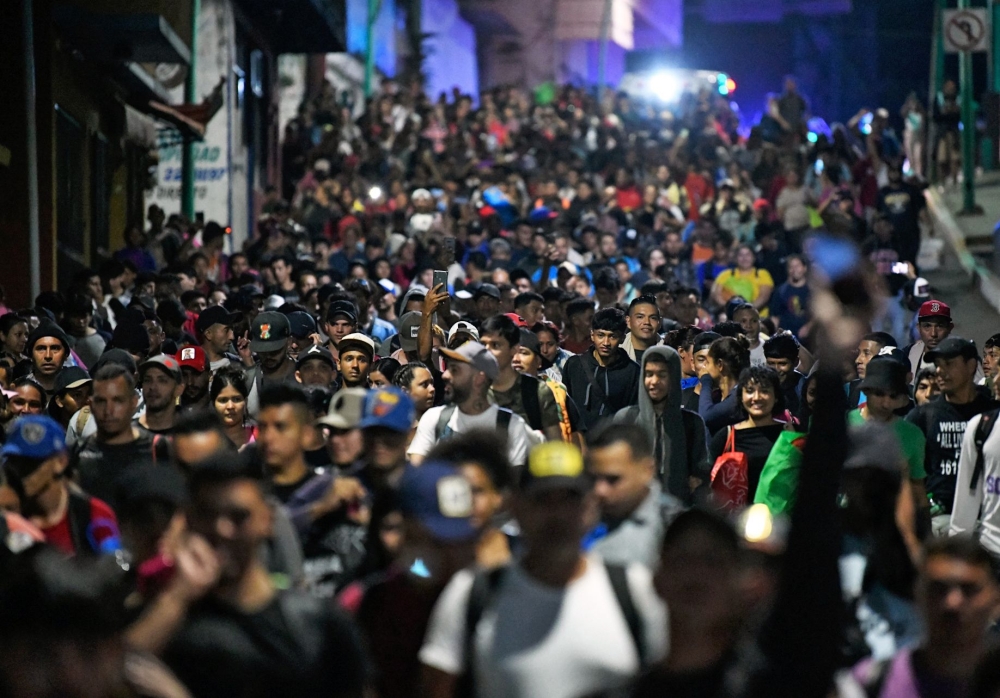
(529, 340)
(440, 499)
(389, 408)
(274, 301)
(216, 315)
(555, 465)
(463, 327)
(950, 347)
(478, 356)
(516, 319)
(345, 308)
(932, 309)
(301, 323)
(193, 357)
(70, 377)
(409, 327)
(316, 351)
(487, 290)
(270, 331)
(35, 436)
(114, 356)
(886, 374)
(166, 362)
(359, 342)
(345, 409)
(421, 194)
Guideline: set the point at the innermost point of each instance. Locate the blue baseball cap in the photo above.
(440, 499)
(388, 407)
(34, 436)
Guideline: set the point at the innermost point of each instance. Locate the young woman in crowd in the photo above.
(228, 396)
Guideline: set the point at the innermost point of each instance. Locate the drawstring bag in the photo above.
(730, 483)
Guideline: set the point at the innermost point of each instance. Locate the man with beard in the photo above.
(270, 336)
(35, 462)
(194, 369)
(161, 383)
(471, 370)
(118, 445)
(246, 637)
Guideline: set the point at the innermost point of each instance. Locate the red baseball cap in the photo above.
(932, 309)
(518, 320)
(193, 357)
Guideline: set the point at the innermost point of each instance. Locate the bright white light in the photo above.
(375, 193)
(666, 86)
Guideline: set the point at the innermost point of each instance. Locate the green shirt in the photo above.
(911, 442)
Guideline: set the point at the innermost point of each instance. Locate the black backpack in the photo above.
(443, 431)
(484, 589)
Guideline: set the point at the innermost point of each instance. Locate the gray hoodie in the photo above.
(683, 435)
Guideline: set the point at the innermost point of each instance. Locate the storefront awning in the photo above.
(299, 26)
(142, 37)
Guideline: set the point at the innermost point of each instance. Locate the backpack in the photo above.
(986, 422)
(730, 484)
(443, 431)
(484, 588)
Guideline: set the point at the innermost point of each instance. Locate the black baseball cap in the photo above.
(270, 331)
(316, 351)
(70, 377)
(487, 290)
(345, 308)
(302, 324)
(951, 347)
(216, 315)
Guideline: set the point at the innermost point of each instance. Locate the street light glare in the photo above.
(666, 86)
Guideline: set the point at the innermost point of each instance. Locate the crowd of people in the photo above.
(517, 398)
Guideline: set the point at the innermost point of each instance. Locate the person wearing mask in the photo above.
(118, 445)
(356, 353)
(48, 348)
(246, 636)
(524, 395)
(35, 465)
(316, 366)
(760, 399)
(943, 421)
(194, 371)
(727, 358)
(782, 355)
(634, 509)
(215, 327)
(162, 384)
(678, 435)
(643, 322)
(603, 379)
(958, 599)
(436, 503)
(469, 374)
(583, 642)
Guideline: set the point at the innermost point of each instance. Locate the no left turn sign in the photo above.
(965, 31)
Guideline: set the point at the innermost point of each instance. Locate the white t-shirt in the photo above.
(535, 640)
(518, 440)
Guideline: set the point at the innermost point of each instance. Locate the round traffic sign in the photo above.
(965, 30)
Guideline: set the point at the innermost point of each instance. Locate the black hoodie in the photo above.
(600, 391)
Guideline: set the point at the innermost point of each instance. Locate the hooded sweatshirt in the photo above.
(679, 437)
(600, 391)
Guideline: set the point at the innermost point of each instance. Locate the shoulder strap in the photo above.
(81, 420)
(503, 419)
(986, 423)
(442, 423)
(484, 588)
(730, 440)
(618, 576)
(529, 398)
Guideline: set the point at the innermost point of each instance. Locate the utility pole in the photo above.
(968, 127)
(191, 97)
(373, 11)
(602, 60)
